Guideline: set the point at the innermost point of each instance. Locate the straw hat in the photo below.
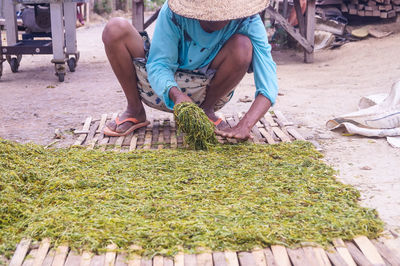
(217, 10)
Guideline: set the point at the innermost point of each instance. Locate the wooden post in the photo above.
(310, 28)
(137, 14)
(70, 27)
(300, 17)
(57, 31)
(10, 22)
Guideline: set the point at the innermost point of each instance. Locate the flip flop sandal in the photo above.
(111, 133)
(216, 122)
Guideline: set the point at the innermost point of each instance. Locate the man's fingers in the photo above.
(232, 135)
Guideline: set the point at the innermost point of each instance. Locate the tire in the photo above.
(61, 77)
(14, 64)
(71, 64)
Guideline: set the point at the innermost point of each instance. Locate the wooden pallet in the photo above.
(161, 133)
(360, 251)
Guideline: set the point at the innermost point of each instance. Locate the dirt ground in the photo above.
(33, 104)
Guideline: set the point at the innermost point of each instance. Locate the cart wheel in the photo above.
(14, 64)
(61, 77)
(71, 64)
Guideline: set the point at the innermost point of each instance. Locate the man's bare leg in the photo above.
(231, 63)
(123, 42)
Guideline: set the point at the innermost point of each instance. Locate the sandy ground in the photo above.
(33, 104)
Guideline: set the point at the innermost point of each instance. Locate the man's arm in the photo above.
(163, 56)
(264, 77)
(177, 96)
(242, 130)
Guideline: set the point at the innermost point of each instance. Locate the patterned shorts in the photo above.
(192, 83)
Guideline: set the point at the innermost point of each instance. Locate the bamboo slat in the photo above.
(281, 134)
(42, 252)
(158, 261)
(269, 257)
(48, 260)
(179, 259)
(267, 136)
(168, 262)
(342, 250)
(102, 123)
(105, 139)
(86, 258)
(335, 258)
(321, 256)
(369, 250)
(357, 255)
(61, 255)
(118, 143)
(30, 257)
(246, 258)
(73, 259)
(134, 260)
(280, 117)
(85, 127)
(174, 141)
(133, 143)
(292, 131)
(281, 256)
(268, 118)
(97, 260)
(121, 260)
(204, 259)
(231, 258)
(20, 252)
(297, 257)
(387, 254)
(90, 137)
(110, 255)
(190, 260)
(146, 262)
(219, 259)
(259, 257)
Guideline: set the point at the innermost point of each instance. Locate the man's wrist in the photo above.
(245, 124)
(174, 93)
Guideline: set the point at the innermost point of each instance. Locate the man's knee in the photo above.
(115, 29)
(242, 49)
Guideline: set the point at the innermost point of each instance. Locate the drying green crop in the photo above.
(232, 197)
(199, 130)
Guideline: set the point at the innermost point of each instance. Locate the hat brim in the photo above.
(217, 10)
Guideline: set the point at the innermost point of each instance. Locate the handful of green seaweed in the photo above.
(199, 130)
(228, 198)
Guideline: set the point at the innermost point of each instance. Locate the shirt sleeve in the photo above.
(264, 66)
(162, 62)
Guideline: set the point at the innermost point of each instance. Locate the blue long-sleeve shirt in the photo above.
(181, 43)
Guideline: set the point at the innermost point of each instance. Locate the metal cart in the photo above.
(61, 42)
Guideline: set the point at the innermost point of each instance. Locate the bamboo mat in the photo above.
(360, 251)
(161, 133)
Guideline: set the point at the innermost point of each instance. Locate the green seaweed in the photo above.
(199, 130)
(234, 197)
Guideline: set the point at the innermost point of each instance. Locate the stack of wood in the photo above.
(372, 8)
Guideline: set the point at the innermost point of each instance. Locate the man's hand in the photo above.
(242, 130)
(238, 132)
(178, 97)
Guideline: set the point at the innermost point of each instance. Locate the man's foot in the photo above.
(125, 123)
(218, 122)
